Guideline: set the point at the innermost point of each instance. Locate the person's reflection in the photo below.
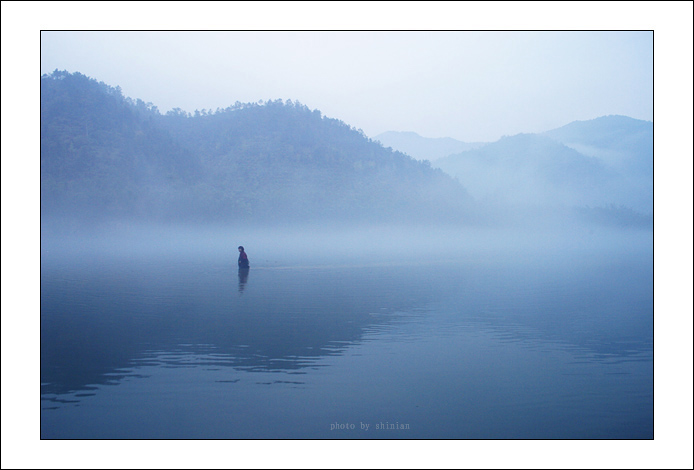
(243, 278)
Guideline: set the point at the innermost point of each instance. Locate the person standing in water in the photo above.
(243, 259)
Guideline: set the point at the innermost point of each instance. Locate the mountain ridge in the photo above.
(105, 155)
(424, 148)
(614, 152)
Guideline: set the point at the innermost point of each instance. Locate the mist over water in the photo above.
(321, 244)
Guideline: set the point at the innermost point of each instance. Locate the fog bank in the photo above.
(305, 246)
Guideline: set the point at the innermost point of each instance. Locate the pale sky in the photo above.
(472, 86)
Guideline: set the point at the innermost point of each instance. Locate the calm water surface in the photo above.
(484, 346)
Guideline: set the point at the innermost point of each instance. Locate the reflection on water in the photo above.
(472, 350)
(243, 278)
(103, 319)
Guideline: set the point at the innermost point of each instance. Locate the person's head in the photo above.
(240, 248)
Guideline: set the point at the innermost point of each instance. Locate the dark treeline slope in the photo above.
(104, 155)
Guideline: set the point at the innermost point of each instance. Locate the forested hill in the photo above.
(104, 155)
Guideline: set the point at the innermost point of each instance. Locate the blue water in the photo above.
(484, 345)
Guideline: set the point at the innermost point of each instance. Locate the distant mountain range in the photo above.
(619, 142)
(604, 162)
(424, 148)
